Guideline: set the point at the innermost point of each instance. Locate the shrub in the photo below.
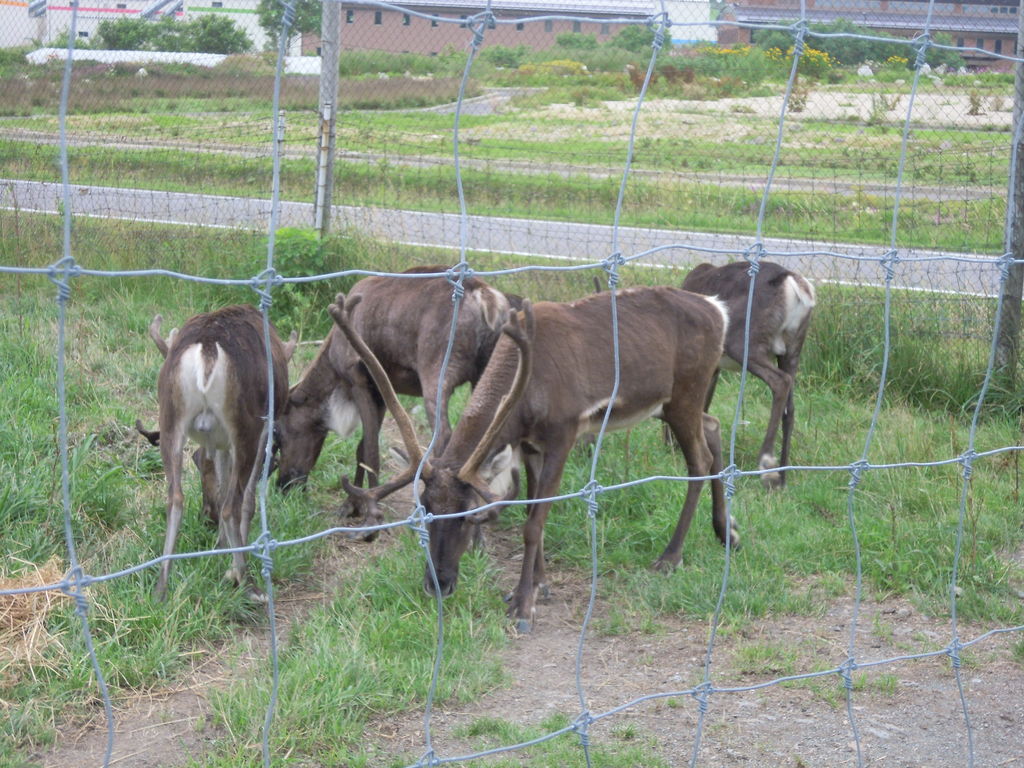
(208, 33)
(576, 40)
(505, 56)
(634, 38)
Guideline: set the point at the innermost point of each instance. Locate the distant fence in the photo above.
(610, 251)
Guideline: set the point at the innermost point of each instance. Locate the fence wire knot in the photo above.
(729, 475)
(846, 672)
(456, 277)
(799, 30)
(659, 32)
(1005, 262)
(702, 693)
(921, 43)
(428, 758)
(590, 492)
(580, 726)
(611, 266)
(418, 522)
(73, 586)
(856, 470)
(264, 552)
(262, 284)
(478, 23)
(60, 274)
(889, 262)
(753, 255)
(289, 15)
(967, 460)
(953, 651)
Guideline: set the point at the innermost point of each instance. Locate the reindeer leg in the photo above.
(533, 462)
(552, 463)
(723, 523)
(687, 426)
(171, 449)
(781, 385)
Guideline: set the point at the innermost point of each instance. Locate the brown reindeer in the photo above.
(779, 317)
(213, 388)
(548, 382)
(406, 321)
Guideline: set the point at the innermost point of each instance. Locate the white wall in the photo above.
(690, 12)
(17, 28)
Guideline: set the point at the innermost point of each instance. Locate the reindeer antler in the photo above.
(524, 340)
(341, 315)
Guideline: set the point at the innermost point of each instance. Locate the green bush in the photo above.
(505, 56)
(300, 252)
(208, 33)
(577, 40)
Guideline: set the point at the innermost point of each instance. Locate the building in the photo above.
(419, 27)
(41, 22)
(989, 25)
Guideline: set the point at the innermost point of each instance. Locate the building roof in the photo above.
(623, 8)
(990, 24)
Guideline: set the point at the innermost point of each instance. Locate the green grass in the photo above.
(971, 225)
(366, 651)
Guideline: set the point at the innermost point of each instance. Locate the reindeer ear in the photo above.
(498, 471)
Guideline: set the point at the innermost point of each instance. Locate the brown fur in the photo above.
(670, 343)
(406, 322)
(228, 423)
(768, 323)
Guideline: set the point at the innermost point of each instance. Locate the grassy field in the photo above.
(365, 651)
(555, 149)
(361, 651)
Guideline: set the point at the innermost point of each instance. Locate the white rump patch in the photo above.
(204, 398)
(800, 300)
(340, 414)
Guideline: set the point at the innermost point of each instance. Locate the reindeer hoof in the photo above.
(256, 595)
(544, 592)
(523, 627)
(771, 480)
(664, 565)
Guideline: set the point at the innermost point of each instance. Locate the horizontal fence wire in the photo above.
(887, 264)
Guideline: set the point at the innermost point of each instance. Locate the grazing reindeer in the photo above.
(779, 318)
(548, 382)
(213, 388)
(406, 322)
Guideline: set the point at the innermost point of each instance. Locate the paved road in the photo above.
(531, 239)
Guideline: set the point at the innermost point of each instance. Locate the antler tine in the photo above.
(154, 333)
(340, 313)
(523, 340)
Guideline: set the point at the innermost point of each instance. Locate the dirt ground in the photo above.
(907, 713)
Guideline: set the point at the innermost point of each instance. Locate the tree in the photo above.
(212, 33)
(271, 16)
(124, 34)
(634, 38)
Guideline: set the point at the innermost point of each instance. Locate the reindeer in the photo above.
(548, 381)
(779, 317)
(213, 388)
(406, 322)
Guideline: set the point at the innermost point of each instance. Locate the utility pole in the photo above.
(330, 52)
(1008, 343)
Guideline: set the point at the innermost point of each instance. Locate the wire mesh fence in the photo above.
(566, 145)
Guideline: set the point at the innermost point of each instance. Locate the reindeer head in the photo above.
(450, 486)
